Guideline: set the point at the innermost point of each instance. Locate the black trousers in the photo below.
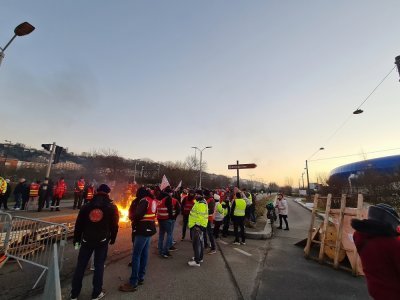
(238, 222)
(185, 225)
(3, 201)
(284, 217)
(225, 228)
(78, 198)
(217, 225)
(55, 203)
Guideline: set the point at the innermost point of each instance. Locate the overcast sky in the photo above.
(265, 82)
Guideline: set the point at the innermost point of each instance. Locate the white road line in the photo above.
(223, 242)
(243, 252)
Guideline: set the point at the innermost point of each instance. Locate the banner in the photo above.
(179, 186)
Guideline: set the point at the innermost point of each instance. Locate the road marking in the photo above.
(243, 252)
(225, 243)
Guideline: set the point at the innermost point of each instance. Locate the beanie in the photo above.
(104, 188)
(385, 214)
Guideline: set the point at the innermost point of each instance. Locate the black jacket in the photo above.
(97, 222)
(137, 210)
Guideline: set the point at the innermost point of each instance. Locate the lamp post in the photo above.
(21, 30)
(306, 168)
(201, 158)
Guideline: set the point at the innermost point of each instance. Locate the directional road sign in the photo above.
(242, 166)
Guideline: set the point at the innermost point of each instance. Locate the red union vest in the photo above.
(188, 206)
(162, 210)
(34, 190)
(90, 193)
(80, 185)
(150, 215)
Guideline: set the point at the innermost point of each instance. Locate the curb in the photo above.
(257, 235)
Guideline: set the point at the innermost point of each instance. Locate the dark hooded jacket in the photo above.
(379, 249)
(97, 221)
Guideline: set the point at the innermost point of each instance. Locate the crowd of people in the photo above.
(97, 226)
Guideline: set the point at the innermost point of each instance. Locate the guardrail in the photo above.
(30, 241)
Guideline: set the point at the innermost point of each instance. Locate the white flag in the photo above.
(164, 183)
(179, 186)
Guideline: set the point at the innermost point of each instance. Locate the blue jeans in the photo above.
(140, 256)
(165, 227)
(85, 252)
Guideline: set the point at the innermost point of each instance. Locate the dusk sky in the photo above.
(265, 82)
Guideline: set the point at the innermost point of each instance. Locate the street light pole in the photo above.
(21, 30)
(201, 159)
(308, 179)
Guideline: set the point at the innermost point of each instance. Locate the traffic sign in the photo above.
(242, 166)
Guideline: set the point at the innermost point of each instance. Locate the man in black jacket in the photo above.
(95, 228)
(143, 215)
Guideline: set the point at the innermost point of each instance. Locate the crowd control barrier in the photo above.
(5, 223)
(52, 288)
(30, 241)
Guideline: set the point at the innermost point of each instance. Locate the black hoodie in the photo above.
(97, 221)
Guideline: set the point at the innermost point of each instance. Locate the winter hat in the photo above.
(104, 188)
(8, 180)
(217, 197)
(385, 214)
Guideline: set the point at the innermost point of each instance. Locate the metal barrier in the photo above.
(5, 223)
(52, 288)
(31, 240)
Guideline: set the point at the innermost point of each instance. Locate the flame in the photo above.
(123, 212)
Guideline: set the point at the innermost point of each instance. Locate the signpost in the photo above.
(240, 166)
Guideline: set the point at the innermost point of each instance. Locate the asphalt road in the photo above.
(286, 274)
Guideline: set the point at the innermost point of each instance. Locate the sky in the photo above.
(265, 82)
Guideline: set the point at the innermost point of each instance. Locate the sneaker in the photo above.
(174, 242)
(280, 227)
(193, 263)
(17, 208)
(212, 251)
(200, 260)
(164, 256)
(242, 243)
(236, 243)
(127, 287)
(173, 249)
(141, 282)
(286, 229)
(100, 296)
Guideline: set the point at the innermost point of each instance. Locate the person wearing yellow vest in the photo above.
(198, 219)
(238, 214)
(5, 190)
(219, 215)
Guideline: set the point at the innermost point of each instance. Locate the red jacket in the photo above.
(60, 189)
(380, 257)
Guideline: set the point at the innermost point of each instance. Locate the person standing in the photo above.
(78, 193)
(44, 194)
(88, 193)
(59, 191)
(226, 204)
(219, 215)
(238, 214)
(377, 240)
(18, 191)
(282, 206)
(198, 219)
(96, 227)
(187, 204)
(33, 194)
(143, 211)
(165, 216)
(209, 232)
(5, 191)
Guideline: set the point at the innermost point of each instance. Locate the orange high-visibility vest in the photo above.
(34, 190)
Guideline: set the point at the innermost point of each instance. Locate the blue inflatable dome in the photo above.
(387, 164)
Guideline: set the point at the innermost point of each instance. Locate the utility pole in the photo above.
(52, 151)
(141, 172)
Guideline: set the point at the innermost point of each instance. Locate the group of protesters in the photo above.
(97, 226)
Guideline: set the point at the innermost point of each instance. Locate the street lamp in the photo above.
(21, 30)
(201, 158)
(306, 168)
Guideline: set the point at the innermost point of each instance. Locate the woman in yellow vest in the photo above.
(198, 219)
(238, 212)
